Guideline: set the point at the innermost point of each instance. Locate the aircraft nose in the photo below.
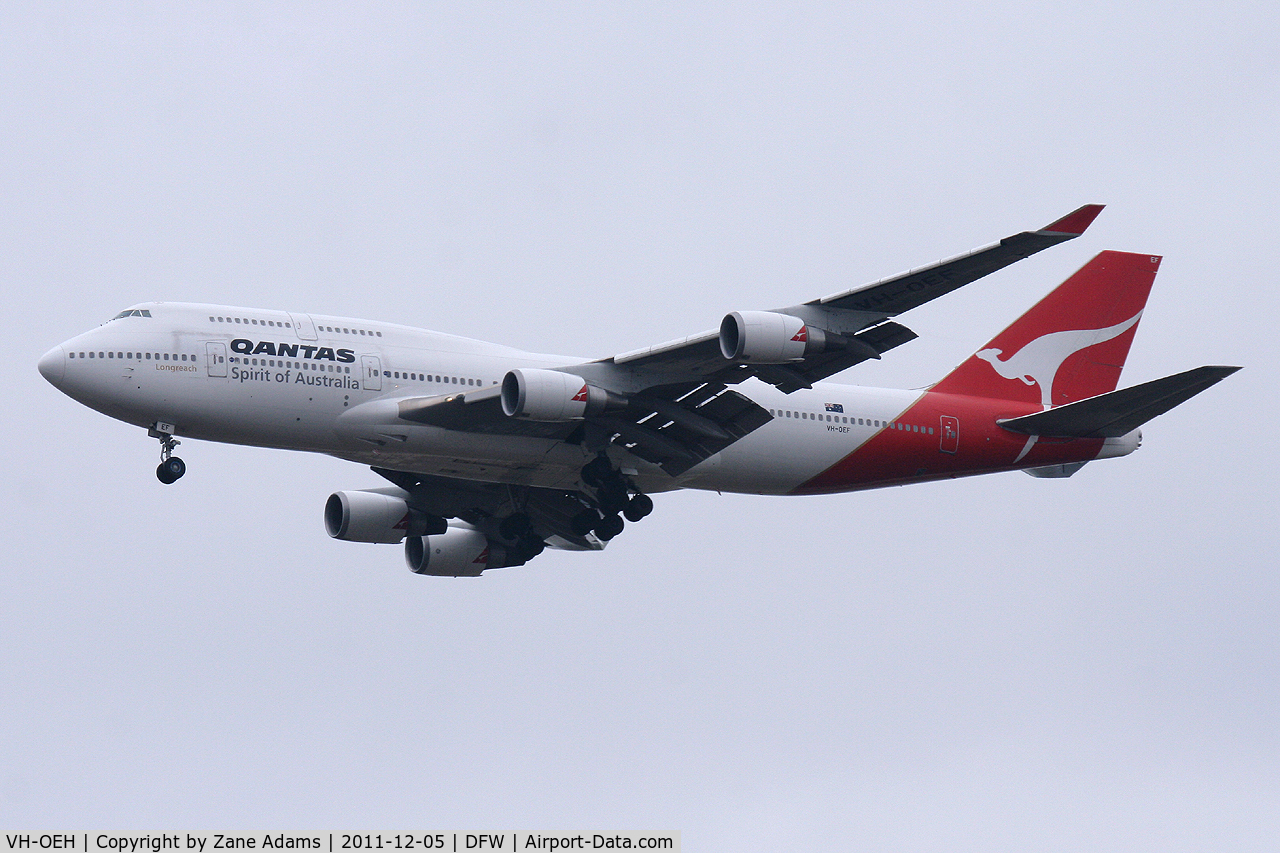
(53, 365)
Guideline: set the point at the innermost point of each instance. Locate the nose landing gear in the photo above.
(171, 468)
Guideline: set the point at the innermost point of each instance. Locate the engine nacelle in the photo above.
(367, 516)
(456, 553)
(767, 337)
(549, 395)
(376, 515)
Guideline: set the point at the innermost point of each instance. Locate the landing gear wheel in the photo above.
(612, 496)
(584, 522)
(515, 526)
(638, 507)
(609, 527)
(597, 471)
(170, 470)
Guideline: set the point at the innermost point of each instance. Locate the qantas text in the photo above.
(281, 350)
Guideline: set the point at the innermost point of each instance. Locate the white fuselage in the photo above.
(205, 370)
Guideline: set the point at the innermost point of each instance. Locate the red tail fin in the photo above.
(1072, 345)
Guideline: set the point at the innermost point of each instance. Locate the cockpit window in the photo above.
(133, 312)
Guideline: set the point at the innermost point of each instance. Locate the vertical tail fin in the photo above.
(1071, 345)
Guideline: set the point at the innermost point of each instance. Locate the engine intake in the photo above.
(553, 396)
(375, 515)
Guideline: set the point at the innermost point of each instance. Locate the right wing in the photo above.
(859, 317)
(672, 404)
(902, 292)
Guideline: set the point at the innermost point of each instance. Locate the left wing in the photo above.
(545, 515)
(674, 426)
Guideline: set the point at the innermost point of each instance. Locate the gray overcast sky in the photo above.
(996, 664)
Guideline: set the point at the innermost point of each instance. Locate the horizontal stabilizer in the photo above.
(1119, 412)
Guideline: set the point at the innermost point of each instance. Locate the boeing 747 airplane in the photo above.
(493, 454)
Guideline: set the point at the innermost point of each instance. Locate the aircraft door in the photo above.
(372, 373)
(950, 434)
(303, 325)
(216, 353)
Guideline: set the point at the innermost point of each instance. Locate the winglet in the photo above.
(1076, 222)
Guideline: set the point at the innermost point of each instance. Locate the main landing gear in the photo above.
(526, 544)
(613, 501)
(171, 468)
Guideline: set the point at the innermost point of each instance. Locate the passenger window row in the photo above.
(250, 321)
(811, 416)
(323, 367)
(345, 331)
(135, 356)
(871, 422)
(431, 377)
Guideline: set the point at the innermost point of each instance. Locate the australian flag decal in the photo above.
(838, 408)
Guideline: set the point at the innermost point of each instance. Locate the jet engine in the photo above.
(458, 552)
(767, 337)
(375, 515)
(549, 395)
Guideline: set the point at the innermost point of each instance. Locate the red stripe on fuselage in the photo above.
(896, 456)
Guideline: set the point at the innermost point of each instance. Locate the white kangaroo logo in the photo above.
(1039, 361)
